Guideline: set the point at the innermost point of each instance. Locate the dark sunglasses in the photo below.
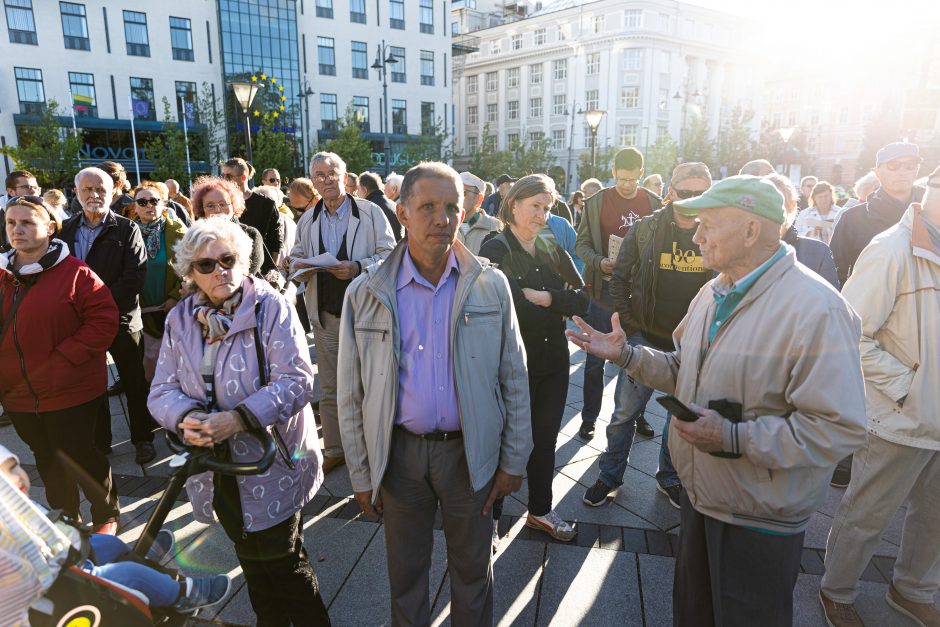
(207, 266)
(274, 180)
(910, 166)
(685, 194)
(143, 202)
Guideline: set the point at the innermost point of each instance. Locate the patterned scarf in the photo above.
(215, 321)
(153, 235)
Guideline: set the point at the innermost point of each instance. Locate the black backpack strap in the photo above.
(17, 301)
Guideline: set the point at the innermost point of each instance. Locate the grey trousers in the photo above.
(326, 336)
(420, 475)
(884, 475)
(730, 575)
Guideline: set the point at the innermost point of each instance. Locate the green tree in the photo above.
(167, 150)
(49, 150)
(519, 159)
(884, 128)
(662, 156)
(605, 161)
(737, 144)
(350, 144)
(432, 145)
(696, 143)
(272, 147)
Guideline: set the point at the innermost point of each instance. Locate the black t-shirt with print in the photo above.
(681, 276)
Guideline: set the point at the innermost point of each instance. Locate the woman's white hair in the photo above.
(203, 233)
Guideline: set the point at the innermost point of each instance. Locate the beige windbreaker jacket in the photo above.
(895, 288)
(474, 235)
(789, 354)
(489, 367)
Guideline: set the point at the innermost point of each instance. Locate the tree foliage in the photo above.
(605, 161)
(272, 147)
(49, 150)
(519, 159)
(737, 144)
(662, 157)
(167, 150)
(350, 144)
(696, 143)
(884, 128)
(432, 145)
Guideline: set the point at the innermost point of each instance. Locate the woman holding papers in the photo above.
(818, 221)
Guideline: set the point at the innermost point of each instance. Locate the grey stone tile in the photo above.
(656, 576)
(334, 547)
(870, 604)
(337, 482)
(589, 587)
(811, 562)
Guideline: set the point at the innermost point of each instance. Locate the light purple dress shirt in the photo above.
(427, 394)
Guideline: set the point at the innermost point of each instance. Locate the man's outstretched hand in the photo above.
(605, 345)
(504, 484)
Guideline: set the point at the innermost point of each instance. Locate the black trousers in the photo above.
(127, 349)
(547, 394)
(731, 575)
(281, 583)
(66, 456)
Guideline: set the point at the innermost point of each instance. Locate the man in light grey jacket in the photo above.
(433, 400)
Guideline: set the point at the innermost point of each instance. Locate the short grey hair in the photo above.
(429, 169)
(397, 180)
(329, 158)
(96, 171)
(757, 167)
(785, 186)
(204, 232)
(591, 183)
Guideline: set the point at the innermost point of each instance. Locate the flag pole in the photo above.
(130, 104)
(189, 169)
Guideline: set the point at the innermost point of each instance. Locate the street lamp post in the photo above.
(593, 118)
(785, 134)
(245, 94)
(574, 109)
(383, 59)
(302, 98)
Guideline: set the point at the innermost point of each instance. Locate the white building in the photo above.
(650, 64)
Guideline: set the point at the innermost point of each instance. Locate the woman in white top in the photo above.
(818, 220)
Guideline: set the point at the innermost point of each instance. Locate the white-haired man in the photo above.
(356, 233)
(393, 186)
(114, 248)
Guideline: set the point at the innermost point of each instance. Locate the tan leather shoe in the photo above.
(840, 614)
(924, 614)
(329, 463)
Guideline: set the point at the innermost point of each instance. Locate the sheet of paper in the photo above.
(303, 269)
(613, 247)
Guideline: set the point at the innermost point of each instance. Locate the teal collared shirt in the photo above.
(728, 297)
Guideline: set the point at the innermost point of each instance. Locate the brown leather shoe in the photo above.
(839, 614)
(329, 463)
(924, 614)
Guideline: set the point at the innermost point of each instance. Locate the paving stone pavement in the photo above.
(617, 571)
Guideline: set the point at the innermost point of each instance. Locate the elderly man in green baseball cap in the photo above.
(767, 364)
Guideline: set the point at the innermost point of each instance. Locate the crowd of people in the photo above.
(797, 327)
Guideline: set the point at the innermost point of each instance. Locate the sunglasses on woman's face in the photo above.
(143, 202)
(207, 266)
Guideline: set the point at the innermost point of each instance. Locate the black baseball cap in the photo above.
(504, 178)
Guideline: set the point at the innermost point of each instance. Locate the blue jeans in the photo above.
(161, 589)
(631, 398)
(598, 316)
(666, 475)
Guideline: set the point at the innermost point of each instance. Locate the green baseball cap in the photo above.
(753, 194)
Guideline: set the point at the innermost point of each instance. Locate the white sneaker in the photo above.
(552, 524)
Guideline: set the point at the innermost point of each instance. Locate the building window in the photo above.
(29, 90)
(326, 56)
(357, 11)
(664, 98)
(426, 17)
(181, 38)
(142, 100)
(20, 22)
(597, 24)
(558, 139)
(472, 116)
(516, 42)
(563, 32)
(135, 34)
(492, 112)
(360, 59)
(427, 67)
(535, 107)
(632, 58)
(473, 84)
(560, 69)
(559, 104)
(328, 112)
(74, 26)
(396, 12)
(398, 68)
(594, 63)
(400, 117)
(591, 99)
(539, 36)
(472, 145)
(629, 97)
(361, 112)
(325, 8)
(535, 74)
(536, 137)
(628, 134)
(512, 110)
(428, 122)
(662, 132)
(496, 46)
(492, 81)
(512, 140)
(186, 102)
(84, 101)
(632, 18)
(512, 77)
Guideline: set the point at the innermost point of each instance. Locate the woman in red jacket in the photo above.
(57, 320)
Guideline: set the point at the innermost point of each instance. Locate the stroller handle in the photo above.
(203, 456)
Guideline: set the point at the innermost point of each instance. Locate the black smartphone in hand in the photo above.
(675, 407)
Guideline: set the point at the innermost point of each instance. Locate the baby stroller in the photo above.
(78, 598)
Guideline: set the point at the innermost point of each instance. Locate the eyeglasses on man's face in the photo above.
(323, 178)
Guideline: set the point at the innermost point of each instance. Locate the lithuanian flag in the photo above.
(81, 102)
